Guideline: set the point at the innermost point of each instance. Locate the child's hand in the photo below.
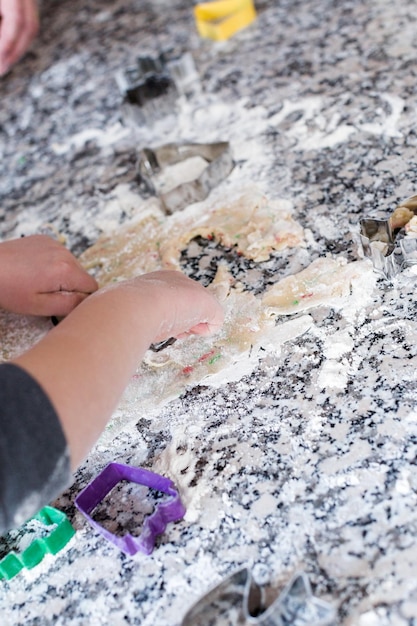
(85, 362)
(182, 305)
(18, 27)
(169, 303)
(39, 276)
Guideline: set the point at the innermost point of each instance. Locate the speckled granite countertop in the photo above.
(310, 462)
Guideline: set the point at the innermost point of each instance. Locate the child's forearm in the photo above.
(85, 363)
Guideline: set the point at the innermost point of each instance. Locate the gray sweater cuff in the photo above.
(34, 456)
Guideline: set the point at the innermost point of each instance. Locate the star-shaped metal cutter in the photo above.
(152, 160)
(390, 254)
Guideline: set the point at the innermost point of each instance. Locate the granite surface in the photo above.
(309, 463)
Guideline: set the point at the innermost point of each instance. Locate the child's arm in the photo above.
(85, 363)
(39, 276)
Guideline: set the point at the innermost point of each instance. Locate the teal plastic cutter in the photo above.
(59, 535)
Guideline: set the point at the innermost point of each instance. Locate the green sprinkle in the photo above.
(215, 358)
(295, 302)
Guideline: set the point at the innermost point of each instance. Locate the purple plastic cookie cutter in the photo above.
(170, 510)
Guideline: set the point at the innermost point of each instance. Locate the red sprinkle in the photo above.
(188, 369)
(206, 356)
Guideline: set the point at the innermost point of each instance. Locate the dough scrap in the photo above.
(323, 282)
(252, 224)
(133, 250)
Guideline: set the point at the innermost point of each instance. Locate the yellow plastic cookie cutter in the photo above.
(220, 20)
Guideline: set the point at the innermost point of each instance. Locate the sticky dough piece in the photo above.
(323, 282)
(253, 225)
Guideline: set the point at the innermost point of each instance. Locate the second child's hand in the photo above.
(19, 25)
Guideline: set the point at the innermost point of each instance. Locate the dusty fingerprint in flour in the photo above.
(202, 457)
(185, 464)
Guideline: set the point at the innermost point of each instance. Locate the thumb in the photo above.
(58, 303)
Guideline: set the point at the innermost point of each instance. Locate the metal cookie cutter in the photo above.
(389, 254)
(221, 19)
(161, 345)
(170, 510)
(219, 165)
(58, 531)
(238, 600)
(149, 92)
(182, 69)
(152, 85)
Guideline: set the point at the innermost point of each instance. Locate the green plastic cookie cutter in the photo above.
(53, 542)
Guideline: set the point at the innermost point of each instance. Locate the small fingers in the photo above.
(203, 328)
(83, 282)
(58, 303)
(69, 276)
(208, 327)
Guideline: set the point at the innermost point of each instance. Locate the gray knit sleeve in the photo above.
(34, 458)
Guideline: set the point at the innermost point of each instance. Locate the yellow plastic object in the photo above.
(220, 20)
